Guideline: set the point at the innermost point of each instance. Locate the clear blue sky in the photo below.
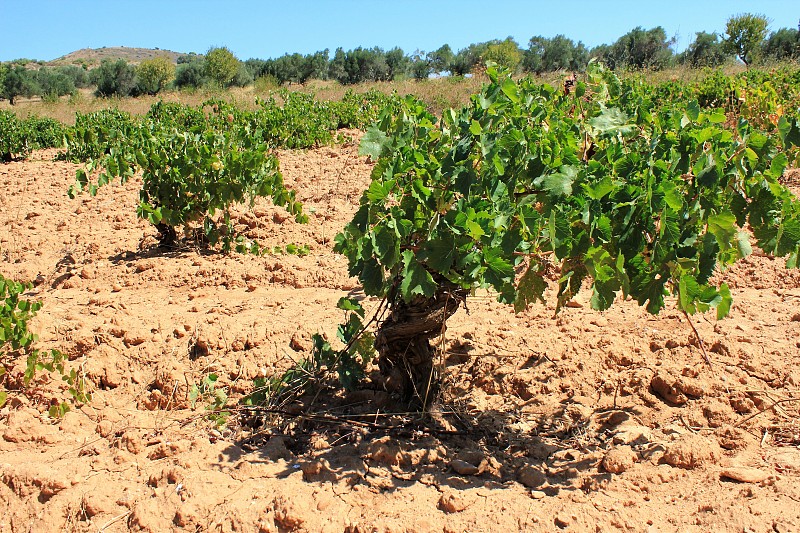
(47, 29)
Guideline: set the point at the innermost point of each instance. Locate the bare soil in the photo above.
(586, 421)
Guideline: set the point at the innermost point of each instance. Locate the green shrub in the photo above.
(94, 133)
(13, 142)
(16, 340)
(44, 132)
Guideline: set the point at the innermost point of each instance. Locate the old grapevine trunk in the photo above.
(168, 235)
(403, 341)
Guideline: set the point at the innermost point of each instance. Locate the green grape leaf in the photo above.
(789, 131)
(377, 191)
(693, 110)
(349, 304)
(530, 288)
(416, 279)
(600, 189)
(723, 227)
(724, 306)
(372, 277)
(611, 121)
(499, 271)
(558, 183)
(439, 253)
(386, 245)
(373, 143)
(510, 89)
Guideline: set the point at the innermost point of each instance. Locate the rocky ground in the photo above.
(584, 422)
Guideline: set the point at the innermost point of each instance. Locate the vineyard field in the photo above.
(558, 307)
(559, 415)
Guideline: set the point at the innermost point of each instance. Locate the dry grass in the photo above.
(438, 94)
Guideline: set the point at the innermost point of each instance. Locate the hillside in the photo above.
(93, 56)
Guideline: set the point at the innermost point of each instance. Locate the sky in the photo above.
(48, 29)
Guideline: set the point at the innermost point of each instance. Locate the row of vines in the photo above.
(631, 189)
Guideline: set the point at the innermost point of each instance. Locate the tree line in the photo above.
(746, 38)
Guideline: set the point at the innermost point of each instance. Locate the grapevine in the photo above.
(638, 199)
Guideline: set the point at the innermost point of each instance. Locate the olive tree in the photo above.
(745, 36)
(154, 74)
(114, 78)
(221, 66)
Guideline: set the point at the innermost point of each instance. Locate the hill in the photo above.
(93, 56)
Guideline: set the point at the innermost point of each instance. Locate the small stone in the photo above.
(474, 457)
(561, 521)
(538, 494)
(450, 502)
(463, 468)
(531, 477)
(743, 474)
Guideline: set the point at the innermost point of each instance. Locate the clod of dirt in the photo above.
(198, 348)
(166, 449)
(286, 514)
(451, 502)
(716, 412)
(531, 476)
(25, 480)
(94, 503)
(132, 442)
(742, 403)
(618, 460)
(314, 468)
(300, 343)
(276, 449)
(25, 426)
(562, 521)
(148, 515)
(385, 451)
(135, 337)
(464, 468)
(666, 387)
(632, 434)
(731, 438)
(743, 474)
(692, 451)
(187, 514)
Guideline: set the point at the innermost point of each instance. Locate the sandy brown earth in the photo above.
(585, 422)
